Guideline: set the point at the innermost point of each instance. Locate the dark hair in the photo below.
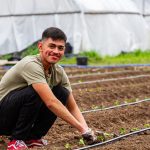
(54, 33)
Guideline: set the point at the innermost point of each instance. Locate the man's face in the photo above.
(51, 50)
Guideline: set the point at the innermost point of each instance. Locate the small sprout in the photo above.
(109, 135)
(116, 103)
(122, 131)
(101, 107)
(131, 100)
(68, 146)
(147, 125)
(80, 81)
(81, 142)
(94, 107)
(101, 138)
(134, 129)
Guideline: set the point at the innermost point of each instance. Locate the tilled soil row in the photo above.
(101, 76)
(112, 82)
(110, 121)
(100, 97)
(136, 142)
(80, 70)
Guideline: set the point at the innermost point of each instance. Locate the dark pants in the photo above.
(24, 116)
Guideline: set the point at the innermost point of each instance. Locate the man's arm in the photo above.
(58, 108)
(88, 135)
(74, 110)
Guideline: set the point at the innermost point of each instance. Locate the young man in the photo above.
(33, 93)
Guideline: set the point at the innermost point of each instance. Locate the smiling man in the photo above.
(36, 91)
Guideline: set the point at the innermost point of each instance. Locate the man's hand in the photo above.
(89, 137)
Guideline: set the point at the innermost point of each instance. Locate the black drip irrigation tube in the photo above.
(113, 140)
(117, 106)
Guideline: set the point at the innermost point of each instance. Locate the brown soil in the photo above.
(104, 94)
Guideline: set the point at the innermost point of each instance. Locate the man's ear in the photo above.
(40, 44)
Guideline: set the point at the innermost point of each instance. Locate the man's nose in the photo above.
(56, 50)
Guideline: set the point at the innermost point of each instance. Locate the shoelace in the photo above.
(44, 142)
(20, 143)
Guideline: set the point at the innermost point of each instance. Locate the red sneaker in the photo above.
(39, 143)
(16, 145)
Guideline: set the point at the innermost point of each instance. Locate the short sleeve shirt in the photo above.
(29, 71)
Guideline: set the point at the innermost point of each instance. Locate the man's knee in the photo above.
(61, 93)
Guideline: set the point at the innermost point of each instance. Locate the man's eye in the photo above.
(52, 46)
(61, 48)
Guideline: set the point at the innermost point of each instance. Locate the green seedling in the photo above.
(147, 125)
(101, 138)
(68, 146)
(94, 107)
(122, 131)
(116, 103)
(130, 100)
(101, 107)
(108, 135)
(134, 129)
(80, 81)
(81, 142)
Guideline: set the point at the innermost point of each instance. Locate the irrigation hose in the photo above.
(112, 79)
(117, 106)
(104, 73)
(112, 140)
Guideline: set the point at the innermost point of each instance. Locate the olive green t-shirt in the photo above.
(30, 70)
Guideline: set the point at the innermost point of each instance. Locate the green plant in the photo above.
(31, 50)
(116, 103)
(147, 125)
(80, 81)
(134, 129)
(91, 54)
(81, 142)
(130, 100)
(122, 131)
(108, 135)
(68, 146)
(101, 138)
(94, 107)
(101, 107)
(7, 56)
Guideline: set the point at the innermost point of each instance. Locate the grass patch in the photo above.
(136, 57)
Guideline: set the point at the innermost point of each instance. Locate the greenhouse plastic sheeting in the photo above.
(107, 26)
